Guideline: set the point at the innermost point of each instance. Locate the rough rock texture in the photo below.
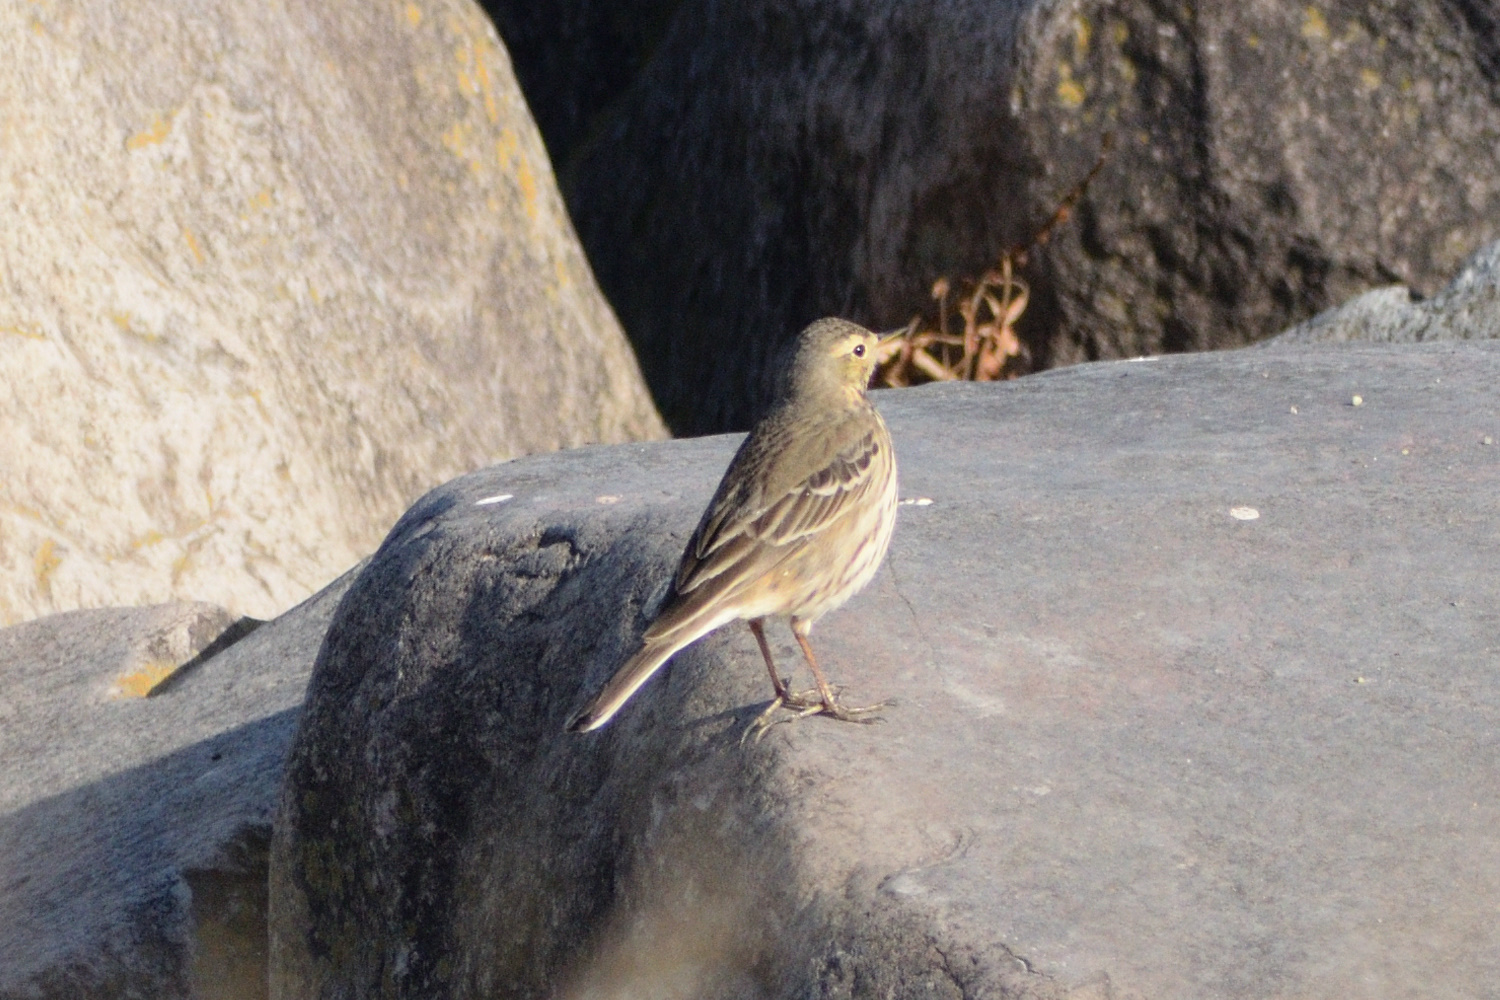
(771, 162)
(270, 271)
(134, 830)
(1468, 309)
(1195, 668)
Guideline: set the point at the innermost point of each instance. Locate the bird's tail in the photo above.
(635, 672)
(677, 626)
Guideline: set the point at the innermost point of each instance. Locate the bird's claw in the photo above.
(805, 703)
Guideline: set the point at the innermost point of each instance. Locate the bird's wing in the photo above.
(746, 533)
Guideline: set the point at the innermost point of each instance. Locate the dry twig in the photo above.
(987, 349)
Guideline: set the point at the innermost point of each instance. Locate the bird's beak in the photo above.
(887, 344)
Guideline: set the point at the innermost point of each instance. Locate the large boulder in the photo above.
(271, 271)
(753, 165)
(1467, 309)
(1194, 659)
(143, 750)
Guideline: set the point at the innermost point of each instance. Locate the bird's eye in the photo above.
(859, 350)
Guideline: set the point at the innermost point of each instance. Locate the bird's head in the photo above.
(832, 356)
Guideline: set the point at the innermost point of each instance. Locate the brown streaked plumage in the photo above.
(800, 522)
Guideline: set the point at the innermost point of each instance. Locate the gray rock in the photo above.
(1468, 309)
(270, 273)
(134, 830)
(764, 163)
(1195, 670)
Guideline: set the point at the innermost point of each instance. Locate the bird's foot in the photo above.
(797, 706)
(801, 704)
(799, 701)
(864, 714)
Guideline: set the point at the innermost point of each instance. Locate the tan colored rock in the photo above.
(268, 271)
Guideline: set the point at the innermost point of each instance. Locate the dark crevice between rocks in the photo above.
(231, 635)
(231, 945)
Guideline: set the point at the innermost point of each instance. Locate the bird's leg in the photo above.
(757, 626)
(805, 703)
(785, 697)
(822, 701)
(830, 703)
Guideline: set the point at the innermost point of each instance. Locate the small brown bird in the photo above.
(799, 524)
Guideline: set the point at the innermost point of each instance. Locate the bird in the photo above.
(800, 523)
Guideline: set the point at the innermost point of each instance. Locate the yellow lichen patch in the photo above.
(260, 404)
(527, 180)
(1370, 79)
(140, 683)
(456, 139)
(506, 147)
(260, 200)
(483, 66)
(413, 15)
(1120, 31)
(45, 563)
(31, 513)
(465, 58)
(126, 322)
(192, 242)
(1070, 92)
(155, 133)
(22, 331)
(1314, 24)
(152, 537)
(1253, 41)
(1082, 33)
(474, 57)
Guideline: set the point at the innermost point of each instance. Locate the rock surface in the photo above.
(1468, 309)
(1195, 669)
(134, 830)
(270, 272)
(764, 163)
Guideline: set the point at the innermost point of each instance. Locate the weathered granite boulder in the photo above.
(143, 749)
(1195, 668)
(750, 166)
(270, 272)
(1468, 309)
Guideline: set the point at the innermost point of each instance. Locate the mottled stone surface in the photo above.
(268, 272)
(1195, 668)
(752, 166)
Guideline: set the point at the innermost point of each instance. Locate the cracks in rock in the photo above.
(916, 619)
(945, 966)
(965, 980)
